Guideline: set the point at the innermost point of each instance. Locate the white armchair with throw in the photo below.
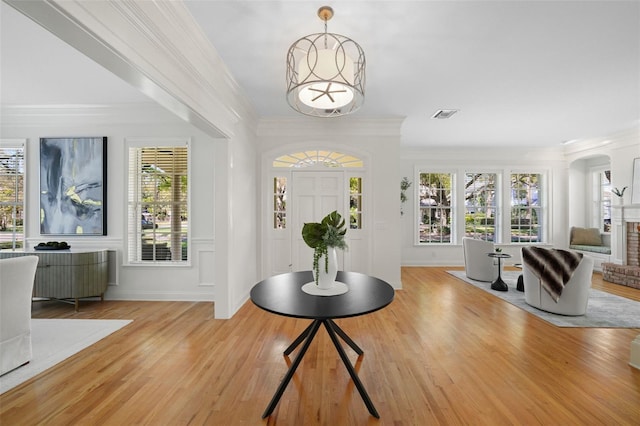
(17, 275)
(477, 264)
(556, 281)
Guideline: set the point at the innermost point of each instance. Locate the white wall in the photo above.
(581, 209)
(497, 160)
(194, 282)
(380, 140)
(242, 216)
(185, 75)
(621, 148)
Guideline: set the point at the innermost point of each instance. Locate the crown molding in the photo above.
(495, 154)
(96, 114)
(621, 139)
(155, 46)
(334, 126)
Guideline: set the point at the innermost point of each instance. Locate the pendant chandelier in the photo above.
(325, 73)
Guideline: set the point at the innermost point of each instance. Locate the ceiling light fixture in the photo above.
(325, 73)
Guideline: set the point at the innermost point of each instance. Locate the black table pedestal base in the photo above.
(499, 285)
(306, 337)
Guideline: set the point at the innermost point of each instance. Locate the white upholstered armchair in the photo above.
(477, 264)
(575, 294)
(17, 275)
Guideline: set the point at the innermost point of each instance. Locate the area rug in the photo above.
(604, 310)
(54, 340)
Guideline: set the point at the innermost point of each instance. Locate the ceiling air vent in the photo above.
(444, 113)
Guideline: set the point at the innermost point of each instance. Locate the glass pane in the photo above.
(434, 199)
(525, 208)
(355, 203)
(11, 198)
(158, 194)
(480, 206)
(315, 157)
(279, 202)
(279, 220)
(605, 196)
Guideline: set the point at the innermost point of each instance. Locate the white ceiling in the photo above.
(532, 73)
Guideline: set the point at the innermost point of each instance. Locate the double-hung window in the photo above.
(526, 208)
(12, 174)
(436, 216)
(601, 216)
(480, 205)
(158, 201)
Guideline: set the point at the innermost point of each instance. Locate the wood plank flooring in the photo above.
(443, 353)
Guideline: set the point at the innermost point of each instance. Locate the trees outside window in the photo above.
(480, 201)
(434, 201)
(491, 202)
(602, 200)
(355, 203)
(12, 173)
(280, 202)
(526, 208)
(158, 204)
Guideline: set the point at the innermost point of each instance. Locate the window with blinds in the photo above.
(158, 204)
(12, 174)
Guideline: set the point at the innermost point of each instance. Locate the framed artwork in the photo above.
(635, 183)
(73, 186)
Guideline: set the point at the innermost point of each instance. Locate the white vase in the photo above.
(326, 280)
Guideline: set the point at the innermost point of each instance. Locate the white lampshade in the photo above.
(326, 76)
(325, 73)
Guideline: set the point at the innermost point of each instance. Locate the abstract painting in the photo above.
(73, 186)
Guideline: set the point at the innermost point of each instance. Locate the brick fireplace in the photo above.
(626, 227)
(633, 243)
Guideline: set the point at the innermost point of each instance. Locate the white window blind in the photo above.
(158, 204)
(12, 184)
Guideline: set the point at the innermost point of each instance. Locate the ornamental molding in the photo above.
(155, 46)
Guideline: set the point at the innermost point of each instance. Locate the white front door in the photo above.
(315, 194)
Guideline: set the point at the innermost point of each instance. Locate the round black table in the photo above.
(499, 284)
(283, 295)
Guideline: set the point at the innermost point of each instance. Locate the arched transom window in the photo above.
(317, 158)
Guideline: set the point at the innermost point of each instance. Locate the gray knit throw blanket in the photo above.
(553, 267)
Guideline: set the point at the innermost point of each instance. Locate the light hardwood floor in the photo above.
(442, 353)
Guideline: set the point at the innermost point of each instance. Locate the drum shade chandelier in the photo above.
(325, 73)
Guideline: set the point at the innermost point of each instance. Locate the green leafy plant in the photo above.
(404, 185)
(618, 192)
(320, 236)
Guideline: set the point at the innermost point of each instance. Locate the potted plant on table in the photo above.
(324, 238)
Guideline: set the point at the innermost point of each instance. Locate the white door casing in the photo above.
(312, 192)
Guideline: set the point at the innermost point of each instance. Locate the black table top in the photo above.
(499, 255)
(282, 294)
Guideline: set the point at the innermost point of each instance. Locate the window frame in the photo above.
(18, 144)
(452, 206)
(543, 200)
(600, 203)
(133, 226)
(280, 211)
(497, 206)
